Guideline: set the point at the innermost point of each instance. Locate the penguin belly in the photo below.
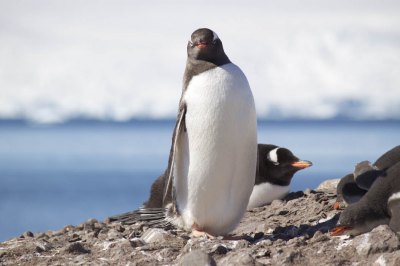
(265, 193)
(217, 153)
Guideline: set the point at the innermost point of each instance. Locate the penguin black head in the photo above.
(277, 165)
(205, 45)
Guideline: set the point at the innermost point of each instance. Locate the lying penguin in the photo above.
(276, 167)
(379, 205)
(353, 187)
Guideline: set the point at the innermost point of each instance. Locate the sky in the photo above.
(118, 60)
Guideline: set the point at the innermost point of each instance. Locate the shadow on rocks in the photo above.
(306, 230)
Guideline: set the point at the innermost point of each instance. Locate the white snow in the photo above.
(123, 59)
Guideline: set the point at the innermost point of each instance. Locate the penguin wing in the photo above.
(179, 128)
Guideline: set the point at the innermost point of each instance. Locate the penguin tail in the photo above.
(152, 217)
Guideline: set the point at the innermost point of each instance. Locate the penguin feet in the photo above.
(339, 230)
(338, 206)
(198, 232)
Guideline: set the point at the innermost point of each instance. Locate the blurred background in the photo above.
(89, 91)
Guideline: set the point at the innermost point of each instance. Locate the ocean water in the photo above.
(55, 175)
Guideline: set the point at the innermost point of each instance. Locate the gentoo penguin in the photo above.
(275, 169)
(379, 205)
(353, 187)
(213, 155)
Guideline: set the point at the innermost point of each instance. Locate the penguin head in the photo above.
(204, 44)
(357, 219)
(363, 167)
(365, 174)
(278, 164)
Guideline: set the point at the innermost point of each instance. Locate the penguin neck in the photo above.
(283, 180)
(195, 67)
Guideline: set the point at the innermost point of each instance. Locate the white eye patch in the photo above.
(273, 156)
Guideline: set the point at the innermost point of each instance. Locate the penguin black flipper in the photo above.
(179, 128)
(153, 211)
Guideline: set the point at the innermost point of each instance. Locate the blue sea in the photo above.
(54, 175)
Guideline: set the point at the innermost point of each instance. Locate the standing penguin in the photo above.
(213, 156)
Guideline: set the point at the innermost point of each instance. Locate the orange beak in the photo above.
(302, 164)
(338, 230)
(201, 45)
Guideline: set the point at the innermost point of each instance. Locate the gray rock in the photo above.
(329, 185)
(380, 239)
(219, 250)
(388, 259)
(137, 242)
(42, 246)
(113, 234)
(240, 258)
(155, 235)
(197, 258)
(76, 248)
(67, 228)
(27, 234)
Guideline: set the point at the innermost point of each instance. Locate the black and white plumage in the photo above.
(353, 187)
(379, 205)
(275, 169)
(213, 156)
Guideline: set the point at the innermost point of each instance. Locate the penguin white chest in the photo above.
(265, 193)
(216, 155)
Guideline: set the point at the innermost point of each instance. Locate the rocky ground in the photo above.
(293, 231)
